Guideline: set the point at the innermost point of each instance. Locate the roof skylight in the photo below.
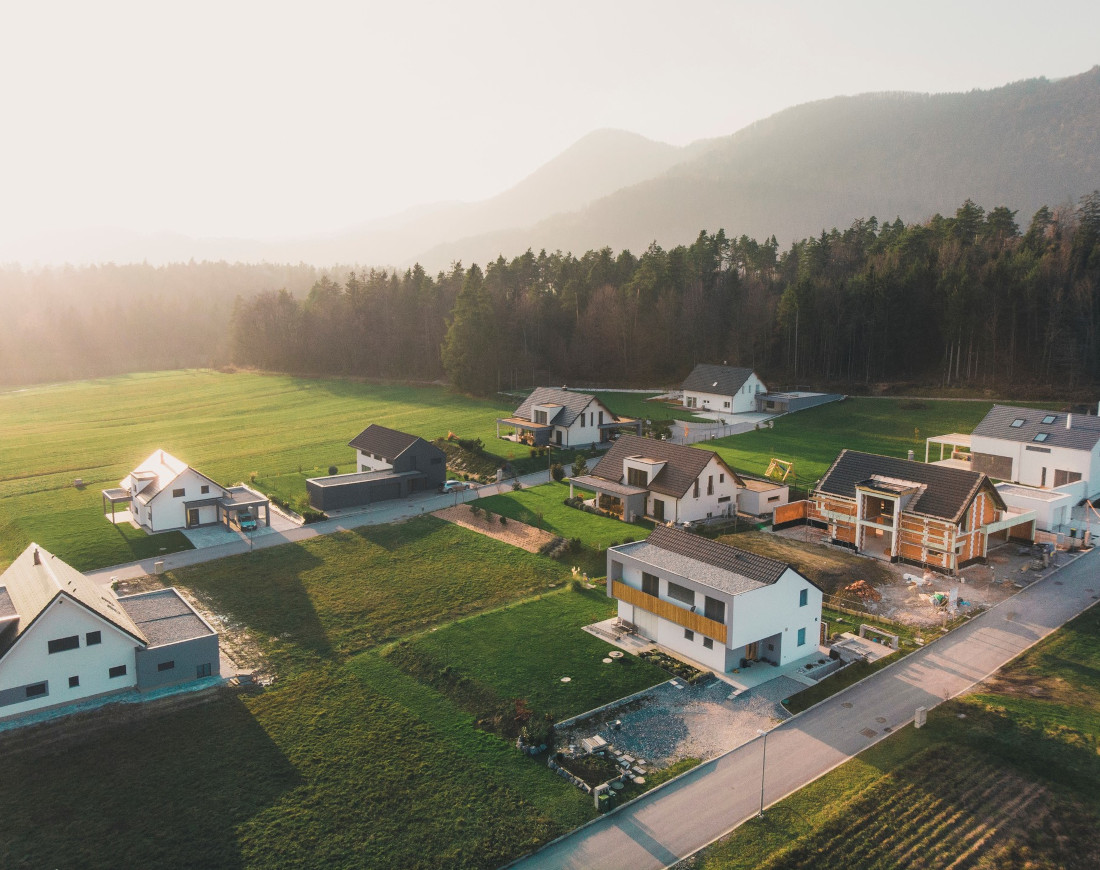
(1018, 422)
(1048, 419)
(1042, 436)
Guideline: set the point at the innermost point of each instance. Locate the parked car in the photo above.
(453, 486)
(245, 521)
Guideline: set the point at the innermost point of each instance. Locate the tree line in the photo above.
(966, 300)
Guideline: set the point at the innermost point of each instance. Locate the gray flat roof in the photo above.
(587, 481)
(165, 617)
(240, 496)
(362, 477)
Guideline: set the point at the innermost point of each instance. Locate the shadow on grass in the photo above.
(398, 536)
(164, 791)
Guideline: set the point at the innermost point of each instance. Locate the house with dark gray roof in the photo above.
(669, 483)
(901, 510)
(723, 389)
(714, 604)
(1045, 449)
(64, 638)
(390, 464)
(563, 418)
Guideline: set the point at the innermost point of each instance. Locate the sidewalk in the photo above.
(376, 514)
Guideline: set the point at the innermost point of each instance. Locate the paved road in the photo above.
(383, 512)
(716, 797)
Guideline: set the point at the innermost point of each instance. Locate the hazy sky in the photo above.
(272, 119)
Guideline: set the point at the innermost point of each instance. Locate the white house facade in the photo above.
(64, 639)
(722, 389)
(714, 604)
(563, 418)
(666, 482)
(1045, 449)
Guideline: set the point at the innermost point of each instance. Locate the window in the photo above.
(204, 489)
(36, 690)
(722, 478)
(1048, 419)
(74, 682)
(179, 493)
(1017, 423)
(715, 609)
(658, 510)
(540, 417)
(437, 460)
(680, 593)
(772, 498)
(708, 643)
(696, 492)
(166, 666)
(723, 498)
(802, 637)
(803, 597)
(725, 404)
(119, 671)
(202, 670)
(92, 638)
(62, 644)
(689, 634)
(1062, 477)
(1035, 449)
(651, 585)
(1041, 437)
(637, 477)
(710, 484)
(601, 418)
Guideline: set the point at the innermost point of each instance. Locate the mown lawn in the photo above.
(346, 761)
(813, 438)
(226, 425)
(479, 663)
(543, 506)
(636, 405)
(1008, 777)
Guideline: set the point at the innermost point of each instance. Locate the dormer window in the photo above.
(1018, 422)
(1048, 419)
(1042, 436)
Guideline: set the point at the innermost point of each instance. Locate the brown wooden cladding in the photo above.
(669, 611)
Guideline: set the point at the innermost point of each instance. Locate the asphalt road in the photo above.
(382, 512)
(679, 819)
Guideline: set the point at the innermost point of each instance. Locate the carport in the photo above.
(115, 495)
(242, 498)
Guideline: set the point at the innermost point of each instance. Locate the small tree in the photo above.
(557, 472)
(475, 510)
(580, 466)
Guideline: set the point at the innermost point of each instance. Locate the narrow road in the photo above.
(716, 797)
(383, 512)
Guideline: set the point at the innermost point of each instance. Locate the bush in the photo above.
(557, 472)
(580, 466)
(332, 469)
(575, 545)
(534, 452)
(475, 510)
(516, 485)
(489, 516)
(503, 520)
(311, 516)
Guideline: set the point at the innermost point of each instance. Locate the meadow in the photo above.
(1007, 777)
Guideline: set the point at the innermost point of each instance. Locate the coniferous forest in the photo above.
(977, 300)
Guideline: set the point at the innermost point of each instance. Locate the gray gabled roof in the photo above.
(571, 405)
(723, 380)
(683, 465)
(1083, 434)
(165, 617)
(946, 494)
(387, 443)
(709, 563)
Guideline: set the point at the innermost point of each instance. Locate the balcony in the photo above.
(668, 610)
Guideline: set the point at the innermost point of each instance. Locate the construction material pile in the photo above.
(864, 591)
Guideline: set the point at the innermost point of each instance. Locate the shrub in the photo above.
(575, 545)
(489, 516)
(534, 452)
(516, 485)
(332, 469)
(309, 515)
(503, 520)
(557, 472)
(475, 510)
(580, 466)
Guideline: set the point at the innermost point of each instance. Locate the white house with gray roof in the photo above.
(1045, 449)
(64, 639)
(723, 389)
(563, 418)
(714, 604)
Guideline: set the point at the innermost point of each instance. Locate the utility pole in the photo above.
(763, 761)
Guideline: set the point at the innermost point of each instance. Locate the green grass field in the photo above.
(636, 405)
(543, 506)
(1005, 778)
(478, 662)
(813, 438)
(226, 425)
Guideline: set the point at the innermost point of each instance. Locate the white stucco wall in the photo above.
(30, 661)
(689, 508)
(585, 429)
(166, 511)
(759, 503)
(368, 462)
(1028, 465)
(775, 610)
(742, 402)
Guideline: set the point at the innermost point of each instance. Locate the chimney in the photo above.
(37, 558)
(1069, 421)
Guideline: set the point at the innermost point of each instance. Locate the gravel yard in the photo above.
(669, 723)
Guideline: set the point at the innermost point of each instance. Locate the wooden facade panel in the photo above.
(668, 610)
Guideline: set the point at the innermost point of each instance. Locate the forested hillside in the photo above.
(963, 300)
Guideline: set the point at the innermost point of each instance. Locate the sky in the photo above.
(270, 120)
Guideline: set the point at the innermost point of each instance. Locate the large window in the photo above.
(637, 477)
(166, 666)
(35, 690)
(202, 670)
(74, 682)
(92, 638)
(118, 671)
(710, 484)
(540, 417)
(64, 643)
(695, 493)
(680, 593)
(651, 585)
(715, 609)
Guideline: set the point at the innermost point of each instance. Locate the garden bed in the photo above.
(690, 674)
